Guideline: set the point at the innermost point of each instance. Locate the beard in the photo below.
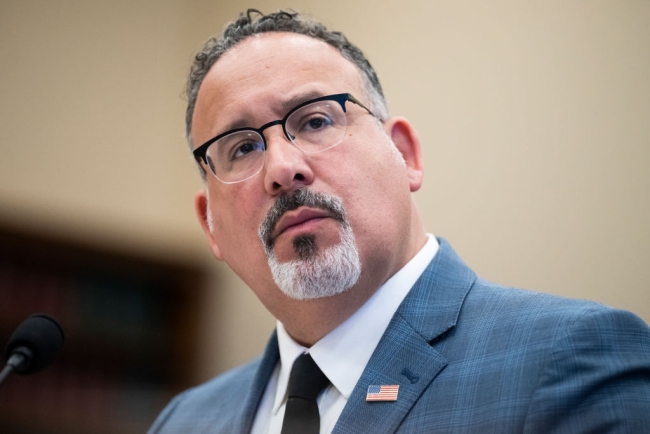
(317, 273)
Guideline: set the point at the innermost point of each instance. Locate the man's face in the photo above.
(259, 81)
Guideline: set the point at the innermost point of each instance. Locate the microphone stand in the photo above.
(15, 363)
(5, 373)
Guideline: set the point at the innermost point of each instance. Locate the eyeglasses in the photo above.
(313, 126)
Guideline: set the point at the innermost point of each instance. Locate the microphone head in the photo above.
(43, 336)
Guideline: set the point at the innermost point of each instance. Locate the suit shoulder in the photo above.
(228, 384)
(536, 306)
(224, 394)
(541, 323)
(560, 365)
(235, 377)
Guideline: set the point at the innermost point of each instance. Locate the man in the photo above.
(307, 197)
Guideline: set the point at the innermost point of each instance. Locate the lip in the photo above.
(295, 218)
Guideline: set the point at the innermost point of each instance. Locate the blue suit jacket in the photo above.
(469, 356)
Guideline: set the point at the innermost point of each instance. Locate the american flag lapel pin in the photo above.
(385, 392)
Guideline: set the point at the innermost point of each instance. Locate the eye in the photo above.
(245, 148)
(314, 123)
(317, 123)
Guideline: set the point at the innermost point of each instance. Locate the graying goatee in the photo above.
(315, 274)
(300, 197)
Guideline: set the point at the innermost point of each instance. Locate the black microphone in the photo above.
(33, 346)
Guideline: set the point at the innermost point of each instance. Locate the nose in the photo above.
(286, 166)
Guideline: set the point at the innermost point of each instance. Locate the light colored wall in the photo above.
(91, 120)
(533, 116)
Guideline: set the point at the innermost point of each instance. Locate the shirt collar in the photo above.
(343, 353)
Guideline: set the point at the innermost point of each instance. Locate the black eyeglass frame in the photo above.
(341, 98)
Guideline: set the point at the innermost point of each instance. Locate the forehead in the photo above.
(255, 80)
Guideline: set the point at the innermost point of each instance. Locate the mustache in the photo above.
(289, 202)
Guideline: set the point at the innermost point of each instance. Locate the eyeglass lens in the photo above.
(312, 128)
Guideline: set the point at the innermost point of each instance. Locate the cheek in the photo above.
(376, 192)
(240, 246)
(237, 222)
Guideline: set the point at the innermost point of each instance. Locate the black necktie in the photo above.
(305, 383)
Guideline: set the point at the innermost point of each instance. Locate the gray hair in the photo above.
(281, 21)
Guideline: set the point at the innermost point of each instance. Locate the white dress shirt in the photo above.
(342, 354)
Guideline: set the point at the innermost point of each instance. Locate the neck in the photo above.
(311, 320)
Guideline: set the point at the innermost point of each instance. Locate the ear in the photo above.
(407, 142)
(201, 206)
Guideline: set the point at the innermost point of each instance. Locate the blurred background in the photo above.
(534, 118)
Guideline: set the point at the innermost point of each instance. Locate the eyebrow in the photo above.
(296, 100)
(285, 106)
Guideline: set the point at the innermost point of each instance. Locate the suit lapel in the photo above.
(401, 358)
(244, 421)
(404, 355)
